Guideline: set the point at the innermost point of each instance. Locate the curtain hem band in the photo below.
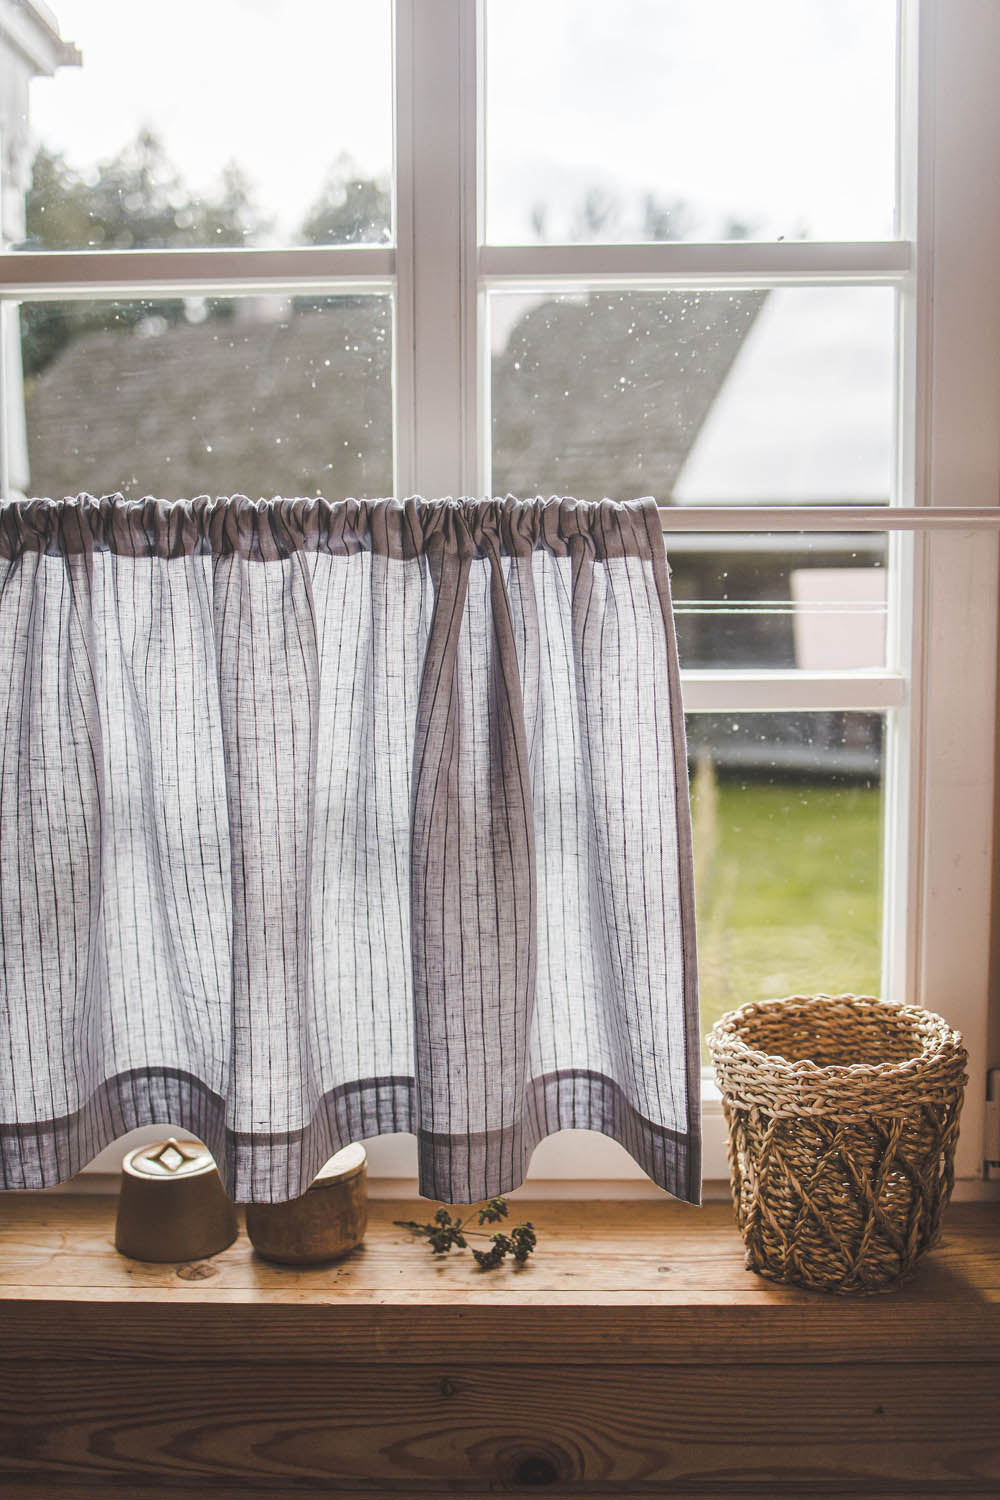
(274, 1167)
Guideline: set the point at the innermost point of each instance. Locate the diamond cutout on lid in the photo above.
(170, 1156)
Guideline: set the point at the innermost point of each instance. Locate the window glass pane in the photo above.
(255, 395)
(787, 812)
(699, 397)
(230, 123)
(814, 602)
(690, 120)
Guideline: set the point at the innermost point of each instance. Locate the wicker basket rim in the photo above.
(943, 1044)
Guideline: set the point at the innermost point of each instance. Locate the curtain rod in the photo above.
(827, 517)
(805, 518)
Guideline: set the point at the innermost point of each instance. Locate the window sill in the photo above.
(635, 1355)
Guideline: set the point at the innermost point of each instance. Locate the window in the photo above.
(728, 255)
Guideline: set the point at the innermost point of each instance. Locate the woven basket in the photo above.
(843, 1116)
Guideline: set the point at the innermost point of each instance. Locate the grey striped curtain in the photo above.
(320, 821)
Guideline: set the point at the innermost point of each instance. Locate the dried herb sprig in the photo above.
(445, 1233)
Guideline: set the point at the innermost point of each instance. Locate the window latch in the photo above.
(991, 1164)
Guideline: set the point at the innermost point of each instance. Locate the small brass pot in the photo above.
(327, 1221)
(172, 1204)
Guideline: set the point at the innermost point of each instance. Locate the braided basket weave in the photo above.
(843, 1117)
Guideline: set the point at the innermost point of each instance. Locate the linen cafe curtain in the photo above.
(325, 820)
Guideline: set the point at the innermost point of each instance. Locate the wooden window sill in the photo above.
(635, 1355)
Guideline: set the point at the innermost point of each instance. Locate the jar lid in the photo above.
(168, 1160)
(345, 1164)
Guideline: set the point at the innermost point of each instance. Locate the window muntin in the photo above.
(696, 120)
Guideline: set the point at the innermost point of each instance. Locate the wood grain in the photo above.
(385, 1272)
(58, 1490)
(635, 1356)
(621, 1428)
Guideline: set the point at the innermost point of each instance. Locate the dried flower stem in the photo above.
(445, 1232)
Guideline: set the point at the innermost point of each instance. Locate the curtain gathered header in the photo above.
(389, 833)
(267, 530)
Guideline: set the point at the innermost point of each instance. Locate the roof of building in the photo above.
(296, 406)
(593, 396)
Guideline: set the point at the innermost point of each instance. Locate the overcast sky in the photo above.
(283, 86)
(776, 113)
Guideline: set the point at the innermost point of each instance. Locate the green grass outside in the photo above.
(788, 886)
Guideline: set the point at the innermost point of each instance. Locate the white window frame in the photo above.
(940, 683)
